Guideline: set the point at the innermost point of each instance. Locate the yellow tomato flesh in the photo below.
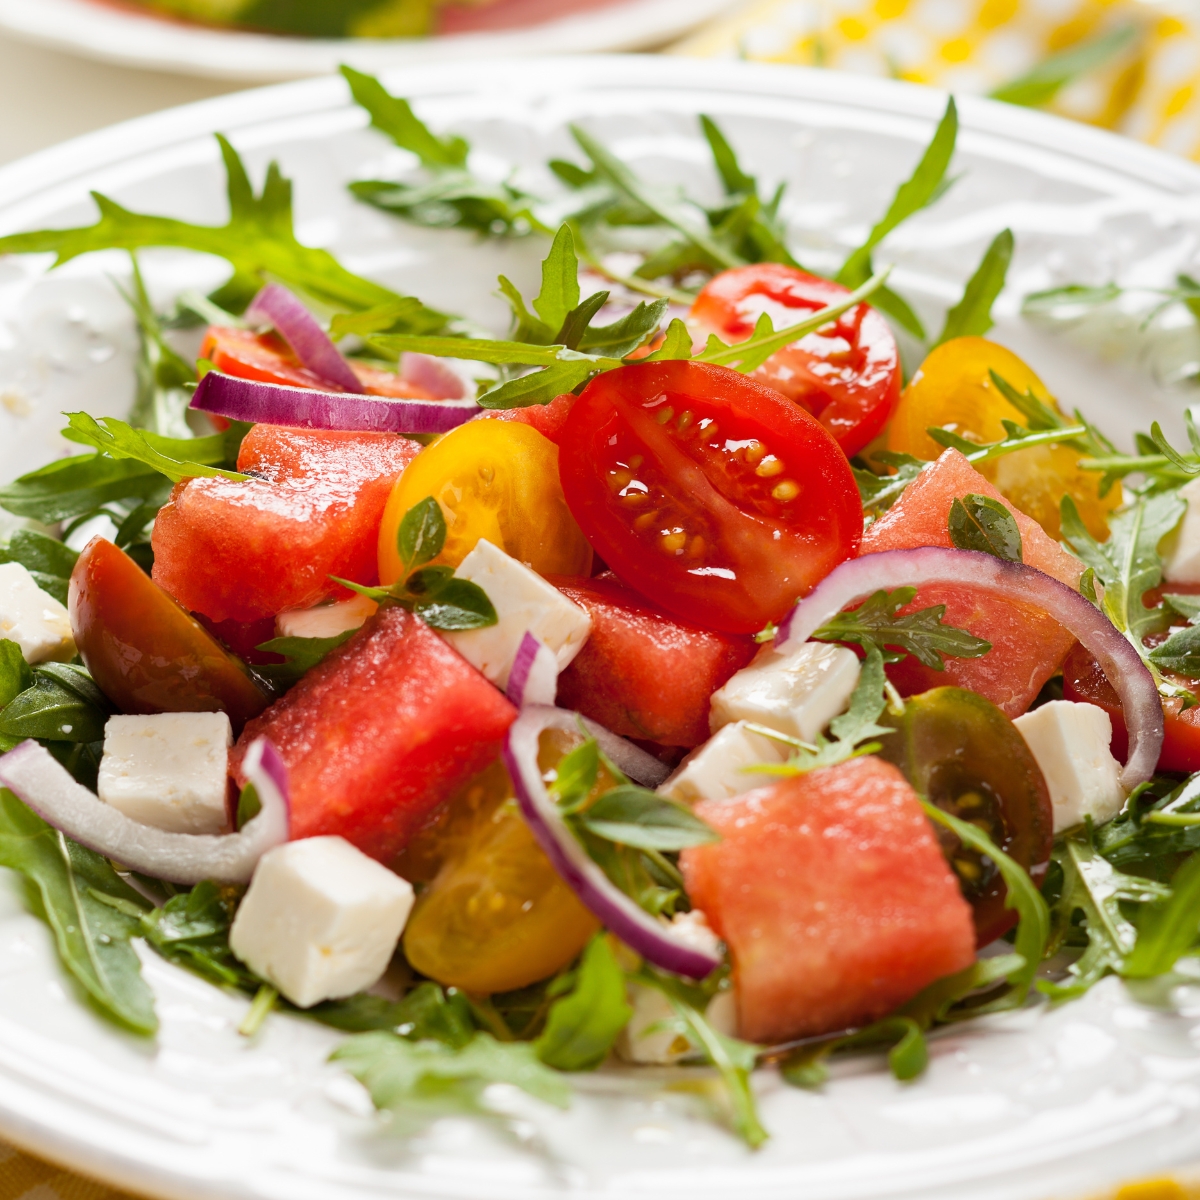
(496, 915)
(953, 389)
(496, 480)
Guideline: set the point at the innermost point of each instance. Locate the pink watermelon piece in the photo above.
(834, 899)
(1028, 647)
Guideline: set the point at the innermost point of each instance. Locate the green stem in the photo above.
(259, 1010)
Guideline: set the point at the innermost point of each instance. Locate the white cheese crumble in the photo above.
(33, 619)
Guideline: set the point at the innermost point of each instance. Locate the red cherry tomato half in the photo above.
(847, 375)
(709, 493)
(269, 359)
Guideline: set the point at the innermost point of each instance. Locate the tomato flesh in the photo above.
(847, 374)
(709, 493)
(146, 654)
(968, 758)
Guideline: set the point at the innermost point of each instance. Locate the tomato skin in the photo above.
(847, 377)
(145, 652)
(746, 503)
(267, 358)
(961, 751)
(497, 480)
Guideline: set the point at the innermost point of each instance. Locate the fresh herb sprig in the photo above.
(432, 592)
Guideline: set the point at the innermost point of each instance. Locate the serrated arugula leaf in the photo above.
(395, 117)
(624, 336)
(923, 634)
(1044, 81)
(582, 1025)
(1180, 653)
(559, 294)
(426, 1079)
(1186, 606)
(71, 885)
(879, 492)
(119, 440)
(1141, 837)
(258, 241)
(981, 523)
(926, 185)
(972, 315)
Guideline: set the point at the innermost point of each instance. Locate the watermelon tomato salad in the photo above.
(679, 679)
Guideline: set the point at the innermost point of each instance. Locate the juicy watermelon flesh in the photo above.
(833, 897)
(547, 419)
(642, 673)
(1028, 647)
(381, 733)
(245, 551)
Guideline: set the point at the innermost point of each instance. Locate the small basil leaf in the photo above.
(459, 605)
(583, 1025)
(576, 776)
(302, 655)
(981, 523)
(635, 816)
(15, 672)
(52, 712)
(428, 580)
(422, 533)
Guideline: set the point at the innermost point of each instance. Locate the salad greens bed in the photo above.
(1123, 898)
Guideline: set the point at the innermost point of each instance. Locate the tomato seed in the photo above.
(673, 543)
(664, 415)
(789, 489)
(768, 467)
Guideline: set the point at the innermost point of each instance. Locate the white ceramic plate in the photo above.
(98, 30)
(1037, 1104)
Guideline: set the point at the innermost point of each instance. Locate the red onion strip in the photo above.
(277, 404)
(431, 375)
(299, 328)
(46, 786)
(650, 937)
(533, 677)
(862, 577)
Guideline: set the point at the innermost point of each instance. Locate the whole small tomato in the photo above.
(710, 493)
(497, 480)
(953, 389)
(847, 374)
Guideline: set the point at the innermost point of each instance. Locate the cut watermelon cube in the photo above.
(833, 897)
(644, 674)
(378, 736)
(1028, 647)
(245, 551)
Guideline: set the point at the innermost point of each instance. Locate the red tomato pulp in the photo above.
(710, 494)
(847, 374)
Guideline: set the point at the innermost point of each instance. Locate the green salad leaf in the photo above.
(972, 315)
(1047, 78)
(301, 655)
(583, 1024)
(981, 523)
(45, 558)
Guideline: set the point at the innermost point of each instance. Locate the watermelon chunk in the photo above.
(1028, 646)
(644, 674)
(547, 419)
(244, 551)
(378, 736)
(833, 897)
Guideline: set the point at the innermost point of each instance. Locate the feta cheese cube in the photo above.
(33, 618)
(523, 601)
(1181, 547)
(693, 930)
(717, 770)
(320, 920)
(1070, 743)
(797, 692)
(326, 620)
(168, 770)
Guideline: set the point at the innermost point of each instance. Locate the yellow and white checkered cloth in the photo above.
(1150, 91)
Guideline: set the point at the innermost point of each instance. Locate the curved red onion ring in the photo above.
(299, 328)
(431, 375)
(533, 676)
(862, 577)
(276, 404)
(651, 938)
(46, 786)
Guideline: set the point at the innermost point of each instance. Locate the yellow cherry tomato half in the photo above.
(496, 480)
(953, 389)
(496, 915)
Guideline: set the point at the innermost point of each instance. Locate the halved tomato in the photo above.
(711, 494)
(847, 374)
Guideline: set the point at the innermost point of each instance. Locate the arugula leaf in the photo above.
(922, 633)
(93, 938)
(1033, 927)
(981, 523)
(879, 492)
(427, 1013)
(258, 241)
(394, 116)
(121, 441)
(1129, 565)
(1162, 466)
(972, 315)
(1142, 840)
(1046, 79)
(301, 653)
(583, 1025)
(1187, 606)
(429, 1078)
(1180, 653)
(80, 485)
(1168, 928)
(560, 281)
(923, 188)
(733, 1059)
(635, 816)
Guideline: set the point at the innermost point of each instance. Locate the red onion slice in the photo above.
(46, 786)
(533, 677)
(277, 404)
(651, 938)
(299, 328)
(432, 375)
(862, 577)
